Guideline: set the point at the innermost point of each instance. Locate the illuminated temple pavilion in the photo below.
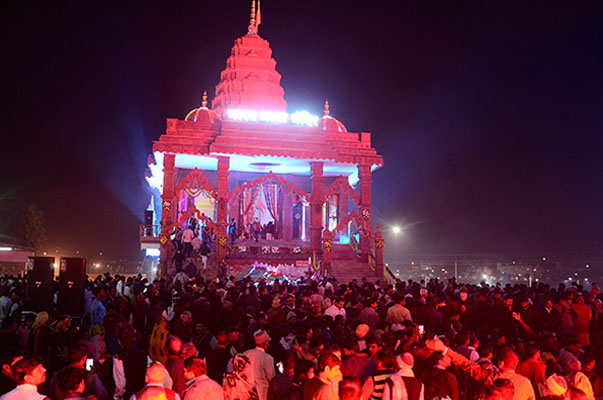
(248, 158)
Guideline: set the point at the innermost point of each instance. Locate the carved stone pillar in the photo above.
(364, 172)
(327, 251)
(167, 212)
(343, 209)
(316, 208)
(287, 206)
(379, 245)
(222, 204)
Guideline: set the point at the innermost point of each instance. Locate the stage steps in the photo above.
(346, 265)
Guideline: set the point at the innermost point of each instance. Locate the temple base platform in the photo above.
(277, 259)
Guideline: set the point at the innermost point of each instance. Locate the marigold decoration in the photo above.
(222, 241)
(328, 244)
(380, 244)
(167, 205)
(163, 239)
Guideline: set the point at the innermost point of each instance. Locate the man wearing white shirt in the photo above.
(157, 376)
(403, 384)
(187, 240)
(199, 386)
(28, 373)
(523, 387)
(336, 309)
(262, 363)
(5, 304)
(397, 313)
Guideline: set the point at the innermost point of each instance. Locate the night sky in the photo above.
(489, 114)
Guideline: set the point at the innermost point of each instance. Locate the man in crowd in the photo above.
(336, 309)
(262, 363)
(78, 355)
(28, 374)
(175, 364)
(157, 376)
(199, 386)
(329, 373)
(398, 313)
(70, 383)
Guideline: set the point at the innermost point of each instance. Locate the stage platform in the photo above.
(246, 254)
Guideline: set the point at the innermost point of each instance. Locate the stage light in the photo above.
(9, 249)
(396, 229)
(303, 118)
(242, 115)
(152, 252)
(274, 117)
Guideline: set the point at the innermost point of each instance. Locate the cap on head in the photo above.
(362, 330)
(261, 337)
(405, 361)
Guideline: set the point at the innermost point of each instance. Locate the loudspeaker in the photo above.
(39, 283)
(148, 217)
(72, 278)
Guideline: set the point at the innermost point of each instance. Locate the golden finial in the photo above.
(326, 107)
(204, 100)
(252, 27)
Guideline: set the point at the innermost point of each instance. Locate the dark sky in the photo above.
(489, 114)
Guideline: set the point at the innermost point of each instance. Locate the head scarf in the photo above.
(236, 384)
(97, 330)
(41, 320)
(555, 385)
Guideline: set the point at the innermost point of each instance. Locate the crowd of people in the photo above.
(231, 339)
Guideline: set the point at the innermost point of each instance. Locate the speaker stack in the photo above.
(72, 278)
(39, 283)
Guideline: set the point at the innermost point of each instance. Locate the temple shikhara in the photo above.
(265, 187)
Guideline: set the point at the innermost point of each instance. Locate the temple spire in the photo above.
(327, 108)
(252, 28)
(204, 100)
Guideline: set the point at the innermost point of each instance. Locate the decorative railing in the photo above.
(150, 231)
(269, 252)
(317, 266)
(371, 261)
(355, 245)
(389, 276)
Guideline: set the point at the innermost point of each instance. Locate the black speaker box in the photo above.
(40, 271)
(148, 217)
(72, 278)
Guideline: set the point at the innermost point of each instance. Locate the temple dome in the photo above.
(250, 80)
(328, 123)
(203, 114)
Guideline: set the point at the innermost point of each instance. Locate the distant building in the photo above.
(13, 259)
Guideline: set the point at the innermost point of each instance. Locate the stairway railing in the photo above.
(150, 231)
(390, 277)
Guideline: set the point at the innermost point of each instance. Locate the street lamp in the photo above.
(396, 230)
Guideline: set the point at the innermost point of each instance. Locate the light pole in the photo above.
(396, 230)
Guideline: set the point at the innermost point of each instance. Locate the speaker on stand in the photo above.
(40, 271)
(72, 279)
